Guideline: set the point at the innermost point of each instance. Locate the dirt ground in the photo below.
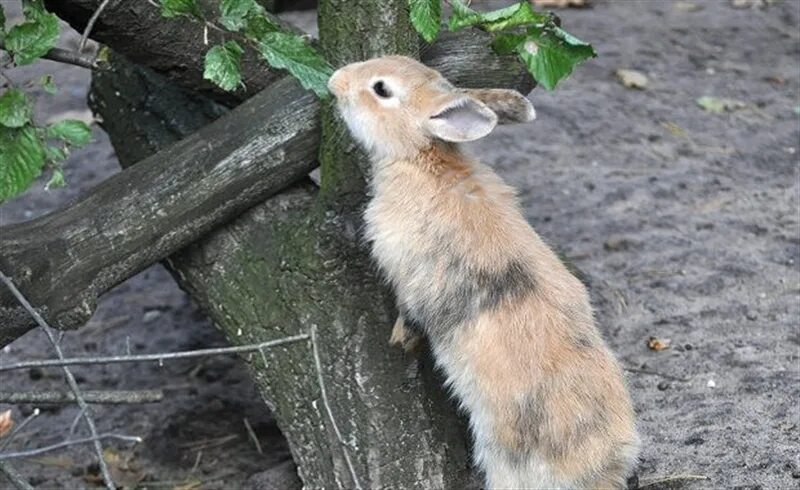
(684, 223)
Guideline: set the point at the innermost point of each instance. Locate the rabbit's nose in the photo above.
(336, 83)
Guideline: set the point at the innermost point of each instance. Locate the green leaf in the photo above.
(520, 14)
(56, 180)
(222, 65)
(234, 13)
(550, 54)
(47, 84)
(461, 16)
(175, 8)
(258, 25)
(292, 53)
(55, 154)
(34, 38)
(507, 43)
(76, 133)
(21, 160)
(426, 16)
(15, 109)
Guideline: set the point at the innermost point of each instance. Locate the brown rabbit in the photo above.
(509, 325)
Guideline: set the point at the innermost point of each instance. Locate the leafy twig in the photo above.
(69, 57)
(73, 385)
(102, 397)
(154, 357)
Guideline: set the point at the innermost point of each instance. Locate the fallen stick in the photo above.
(102, 397)
(670, 478)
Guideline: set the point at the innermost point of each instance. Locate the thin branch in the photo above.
(90, 24)
(155, 357)
(252, 435)
(73, 385)
(74, 424)
(14, 476)
(328, 410)
(103, 397)
(7, 440)
(66, 56)
(45, 449)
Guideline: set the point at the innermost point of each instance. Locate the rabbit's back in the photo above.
(509, 325)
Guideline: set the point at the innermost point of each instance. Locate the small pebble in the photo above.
(663, 386)
(711, 383)
(151, 315)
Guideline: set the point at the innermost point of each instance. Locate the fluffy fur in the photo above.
(509, 325)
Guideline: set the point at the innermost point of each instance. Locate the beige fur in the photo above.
(509, 325)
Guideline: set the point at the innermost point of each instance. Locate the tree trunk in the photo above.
(296, 264)
(287, 265)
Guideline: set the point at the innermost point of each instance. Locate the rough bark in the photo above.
(65, 260)
(280, 268)
(296, 263)
(66, 281)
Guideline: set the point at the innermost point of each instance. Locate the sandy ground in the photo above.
(684, 223)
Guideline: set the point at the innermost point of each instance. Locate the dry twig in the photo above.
(656, 373)
(45, 449)
(670, 478)
(103, 397)
(252, 435)
(155, 357)
(5, 442)
(73, 385)
(90, 24)
(14, 476)
(328, 410)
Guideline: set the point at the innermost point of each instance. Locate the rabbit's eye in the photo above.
(381, 90)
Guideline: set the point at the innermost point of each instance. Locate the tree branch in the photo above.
(69, 57)
(167, 201)
(175, 48)
(157, 207)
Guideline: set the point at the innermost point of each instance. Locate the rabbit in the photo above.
(507, 323)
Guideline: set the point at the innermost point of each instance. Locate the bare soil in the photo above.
(684, 223)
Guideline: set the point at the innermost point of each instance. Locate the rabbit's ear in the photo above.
(461, 119)
(509, 105)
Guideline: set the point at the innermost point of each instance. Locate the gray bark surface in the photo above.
(159, 208)
(65, 260)
(278, 269)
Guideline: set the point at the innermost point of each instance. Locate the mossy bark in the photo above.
(355, 30)
(285, 266)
